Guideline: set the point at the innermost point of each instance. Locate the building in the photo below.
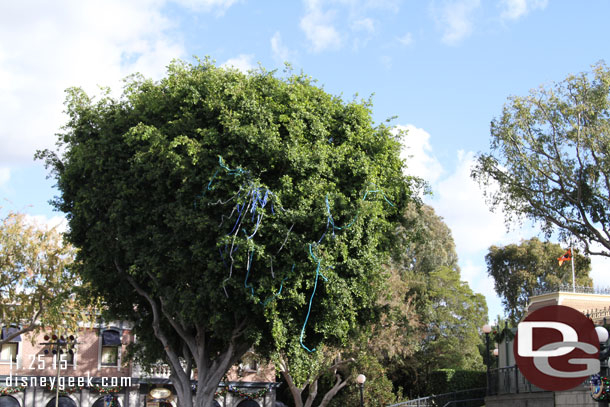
(94, 373)
(509, 388)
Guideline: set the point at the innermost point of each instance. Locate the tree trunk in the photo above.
(297, 393)
(195, 348)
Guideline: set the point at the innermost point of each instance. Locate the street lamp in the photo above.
(604, 353)
(361, 379)
(57, 344)
(486, 330)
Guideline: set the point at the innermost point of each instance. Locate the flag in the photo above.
(567, 256)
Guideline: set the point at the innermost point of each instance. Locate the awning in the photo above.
(8, 331)
(111, 338)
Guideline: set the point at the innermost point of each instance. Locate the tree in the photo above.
(36, 278)
(518, 270)
(302, 373)
(397, 332)
(224, 211)
(438, 323)
(549, 159)
(455, 315)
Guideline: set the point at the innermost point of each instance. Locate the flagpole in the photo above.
(573, 273)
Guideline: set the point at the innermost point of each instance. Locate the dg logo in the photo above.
(556, 348)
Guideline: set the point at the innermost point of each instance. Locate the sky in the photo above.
(443, 69)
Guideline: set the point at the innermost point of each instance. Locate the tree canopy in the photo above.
(36, 278)
(519, 269)
(435, 316)
(223, 210)
(549, 159)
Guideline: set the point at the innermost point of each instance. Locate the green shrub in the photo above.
(449, 380)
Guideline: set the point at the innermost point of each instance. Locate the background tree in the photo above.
(520, 269)
(437, 324)
(282, 237)
(36, 279)
(454, 315)
(549, 159)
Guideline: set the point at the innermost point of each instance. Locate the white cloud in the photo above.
(406, 39)
(47, 47)
(319, 27)
(418, 154)
(243, 62)
(58, 222)
(281, 53)
(515, 9)
(460, 201)
(456, 18)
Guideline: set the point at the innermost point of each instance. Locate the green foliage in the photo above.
(518, 270)
(454, 317)
(549, 159)
(37, 278)
(427, 242)
(151, 206)
(450, 380)
(377, 389)
(439, 320)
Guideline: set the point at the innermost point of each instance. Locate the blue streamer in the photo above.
(280, 290)
(331, 222)
(256, 198)
(248, 273)
(315, 286)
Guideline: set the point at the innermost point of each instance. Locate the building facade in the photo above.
(509, 387)
(89, 370)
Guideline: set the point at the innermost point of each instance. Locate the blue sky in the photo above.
(445, 68)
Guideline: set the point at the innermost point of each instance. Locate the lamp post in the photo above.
(486, 330)
(57, 344)
(604, 353)
(361, 379)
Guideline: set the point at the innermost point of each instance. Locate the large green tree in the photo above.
(223, 211)
(549, 159)
(519, 269)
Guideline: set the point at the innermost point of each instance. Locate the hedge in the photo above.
(449, 380)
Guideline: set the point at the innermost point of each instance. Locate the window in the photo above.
(9, 350)
(111, 344)
(110, 355)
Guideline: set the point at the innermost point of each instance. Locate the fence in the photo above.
(463, 398)
(568, 288)
(509, 380)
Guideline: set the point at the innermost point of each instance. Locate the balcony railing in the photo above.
(568, 288)
(509, 380)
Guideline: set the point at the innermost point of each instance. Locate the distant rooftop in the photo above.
(567, 288)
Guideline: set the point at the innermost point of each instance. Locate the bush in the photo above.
(449, 380)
